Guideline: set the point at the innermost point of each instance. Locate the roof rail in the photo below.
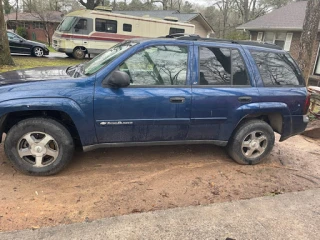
(194, 37)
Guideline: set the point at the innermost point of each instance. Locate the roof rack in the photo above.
(194, 37)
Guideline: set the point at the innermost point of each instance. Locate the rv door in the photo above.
(81, 31)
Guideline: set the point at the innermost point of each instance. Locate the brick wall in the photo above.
(36, 34)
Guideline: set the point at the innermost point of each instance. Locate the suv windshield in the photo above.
(67, 24)
(106, 57)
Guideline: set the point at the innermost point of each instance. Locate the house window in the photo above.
(269, 37)
(104, 25)
(281, 39)
(38, 25)
(127, 27)
(24, 25)
(175, 31)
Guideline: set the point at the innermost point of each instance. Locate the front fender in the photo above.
(83, 119)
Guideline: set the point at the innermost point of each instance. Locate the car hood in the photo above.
(36, 43)
(34, 74)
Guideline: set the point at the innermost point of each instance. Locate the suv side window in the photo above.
(222, 66)
(158, 65)
(277, 69)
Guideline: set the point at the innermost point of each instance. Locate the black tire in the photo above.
(37, 52)
(79, 53)
(61, 145)
(251, 142)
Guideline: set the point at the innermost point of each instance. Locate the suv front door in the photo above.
(156, 105)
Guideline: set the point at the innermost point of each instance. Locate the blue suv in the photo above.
(174, 90)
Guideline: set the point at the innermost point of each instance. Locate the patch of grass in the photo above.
(51, 49)
(24, 62)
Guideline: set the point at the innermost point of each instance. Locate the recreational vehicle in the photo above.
(92, 31)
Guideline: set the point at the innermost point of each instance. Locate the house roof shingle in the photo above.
(52, 16)
(182, 17)
(289, 17)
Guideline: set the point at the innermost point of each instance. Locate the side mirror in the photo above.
(118, 79)
(21, 40)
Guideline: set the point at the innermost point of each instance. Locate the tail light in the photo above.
(306, 104)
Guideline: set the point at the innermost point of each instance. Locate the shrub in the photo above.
(21, 31)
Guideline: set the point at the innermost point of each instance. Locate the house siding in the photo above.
(199, 29)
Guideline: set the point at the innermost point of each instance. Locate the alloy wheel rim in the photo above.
(38, 52)
(38, 149)
(254, 144)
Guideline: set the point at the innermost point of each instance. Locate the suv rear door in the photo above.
(222, 88)
(156, 106)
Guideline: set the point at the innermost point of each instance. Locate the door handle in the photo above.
(245, 99)
(177, 99)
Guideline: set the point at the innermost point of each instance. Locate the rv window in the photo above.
(175, 31)
(127, 27)
(67, 23)
(104, 25)
(81, 25)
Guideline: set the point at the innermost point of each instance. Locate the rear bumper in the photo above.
(293, 125)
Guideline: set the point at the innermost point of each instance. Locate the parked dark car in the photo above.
(20, 45)
(181, 90)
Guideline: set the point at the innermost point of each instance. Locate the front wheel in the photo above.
(39, 146)
(252, 141)
(79, 53)
(37, 51)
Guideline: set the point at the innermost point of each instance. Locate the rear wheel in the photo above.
(39, 146)
(79, 53)
(252, 142)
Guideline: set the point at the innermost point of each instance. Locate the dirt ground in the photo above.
(119, 181)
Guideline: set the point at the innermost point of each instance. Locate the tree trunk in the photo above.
(308, 37)
(5, 56)
(245, 11)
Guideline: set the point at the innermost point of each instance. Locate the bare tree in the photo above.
(5, 57)
(308, 37)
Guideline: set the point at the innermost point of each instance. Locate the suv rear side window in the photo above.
(277, 69)
(222, 66)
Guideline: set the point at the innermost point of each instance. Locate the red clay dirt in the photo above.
(119, 181)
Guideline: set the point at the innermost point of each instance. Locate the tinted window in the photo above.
(82, 24)
(277, 68)
(127, 27)
(176, 30)
(219, 67)
(158, 65)
(239, 71)
(11, 36)
(215, 66)
(103, 25)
